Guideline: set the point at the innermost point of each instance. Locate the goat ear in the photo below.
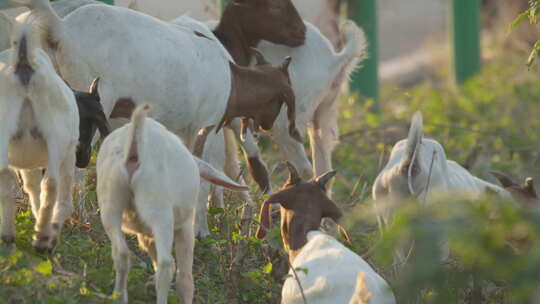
(294, 177)
(265, 218)
(323, 179)
(285, 64)
(259, 56)
(503, 179)
(345, 234)
(94, 88)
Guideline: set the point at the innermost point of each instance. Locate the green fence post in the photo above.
(222, 4)
(366, 80)
(465, 39)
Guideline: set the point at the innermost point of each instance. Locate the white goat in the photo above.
(315, 71)
(39, 129)
(332, 268)
(418, 168)
(148, 184)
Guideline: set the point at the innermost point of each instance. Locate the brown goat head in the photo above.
(277, 21)
(246, 22)
(91, 117)
(521, 193)
(258, 93)
(303, 205)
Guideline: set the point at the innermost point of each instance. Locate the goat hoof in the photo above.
(8, 239)
(41, 244)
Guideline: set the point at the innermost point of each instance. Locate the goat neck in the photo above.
(258, 93)
(232, 35)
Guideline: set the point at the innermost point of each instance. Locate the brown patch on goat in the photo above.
(303, 205)
(123, 108)
(246, 22)
(258, 93)
(525, 192)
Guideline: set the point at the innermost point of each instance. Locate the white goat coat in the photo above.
(332, 270)
(167, 173)
(185, 77)
(447, 177)
(47, 104)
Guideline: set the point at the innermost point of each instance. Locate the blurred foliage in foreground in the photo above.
(493, 244)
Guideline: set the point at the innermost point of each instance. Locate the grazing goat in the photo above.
(332, 268)
(315, 70)
(81, 43)
(148, 184)
(91, 117)
(418, 169)
(39, 129)
(521, 193)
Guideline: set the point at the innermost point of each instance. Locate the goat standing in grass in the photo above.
(148, 183)
(332, 269)
(39, 129)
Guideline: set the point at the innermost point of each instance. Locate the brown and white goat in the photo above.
(332, 269)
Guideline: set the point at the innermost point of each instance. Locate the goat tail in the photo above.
(23, 53)
(355, 47)
(135, 138)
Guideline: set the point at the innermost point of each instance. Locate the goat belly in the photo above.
(28, 151)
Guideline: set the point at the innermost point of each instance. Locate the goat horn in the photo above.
(259, 56)
(323, 179)
(94, 87)
(294, 177)
(285, 64)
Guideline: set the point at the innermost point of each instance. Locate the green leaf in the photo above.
(214, 211)
(519, 19)
(268, 268)
(44, 268)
